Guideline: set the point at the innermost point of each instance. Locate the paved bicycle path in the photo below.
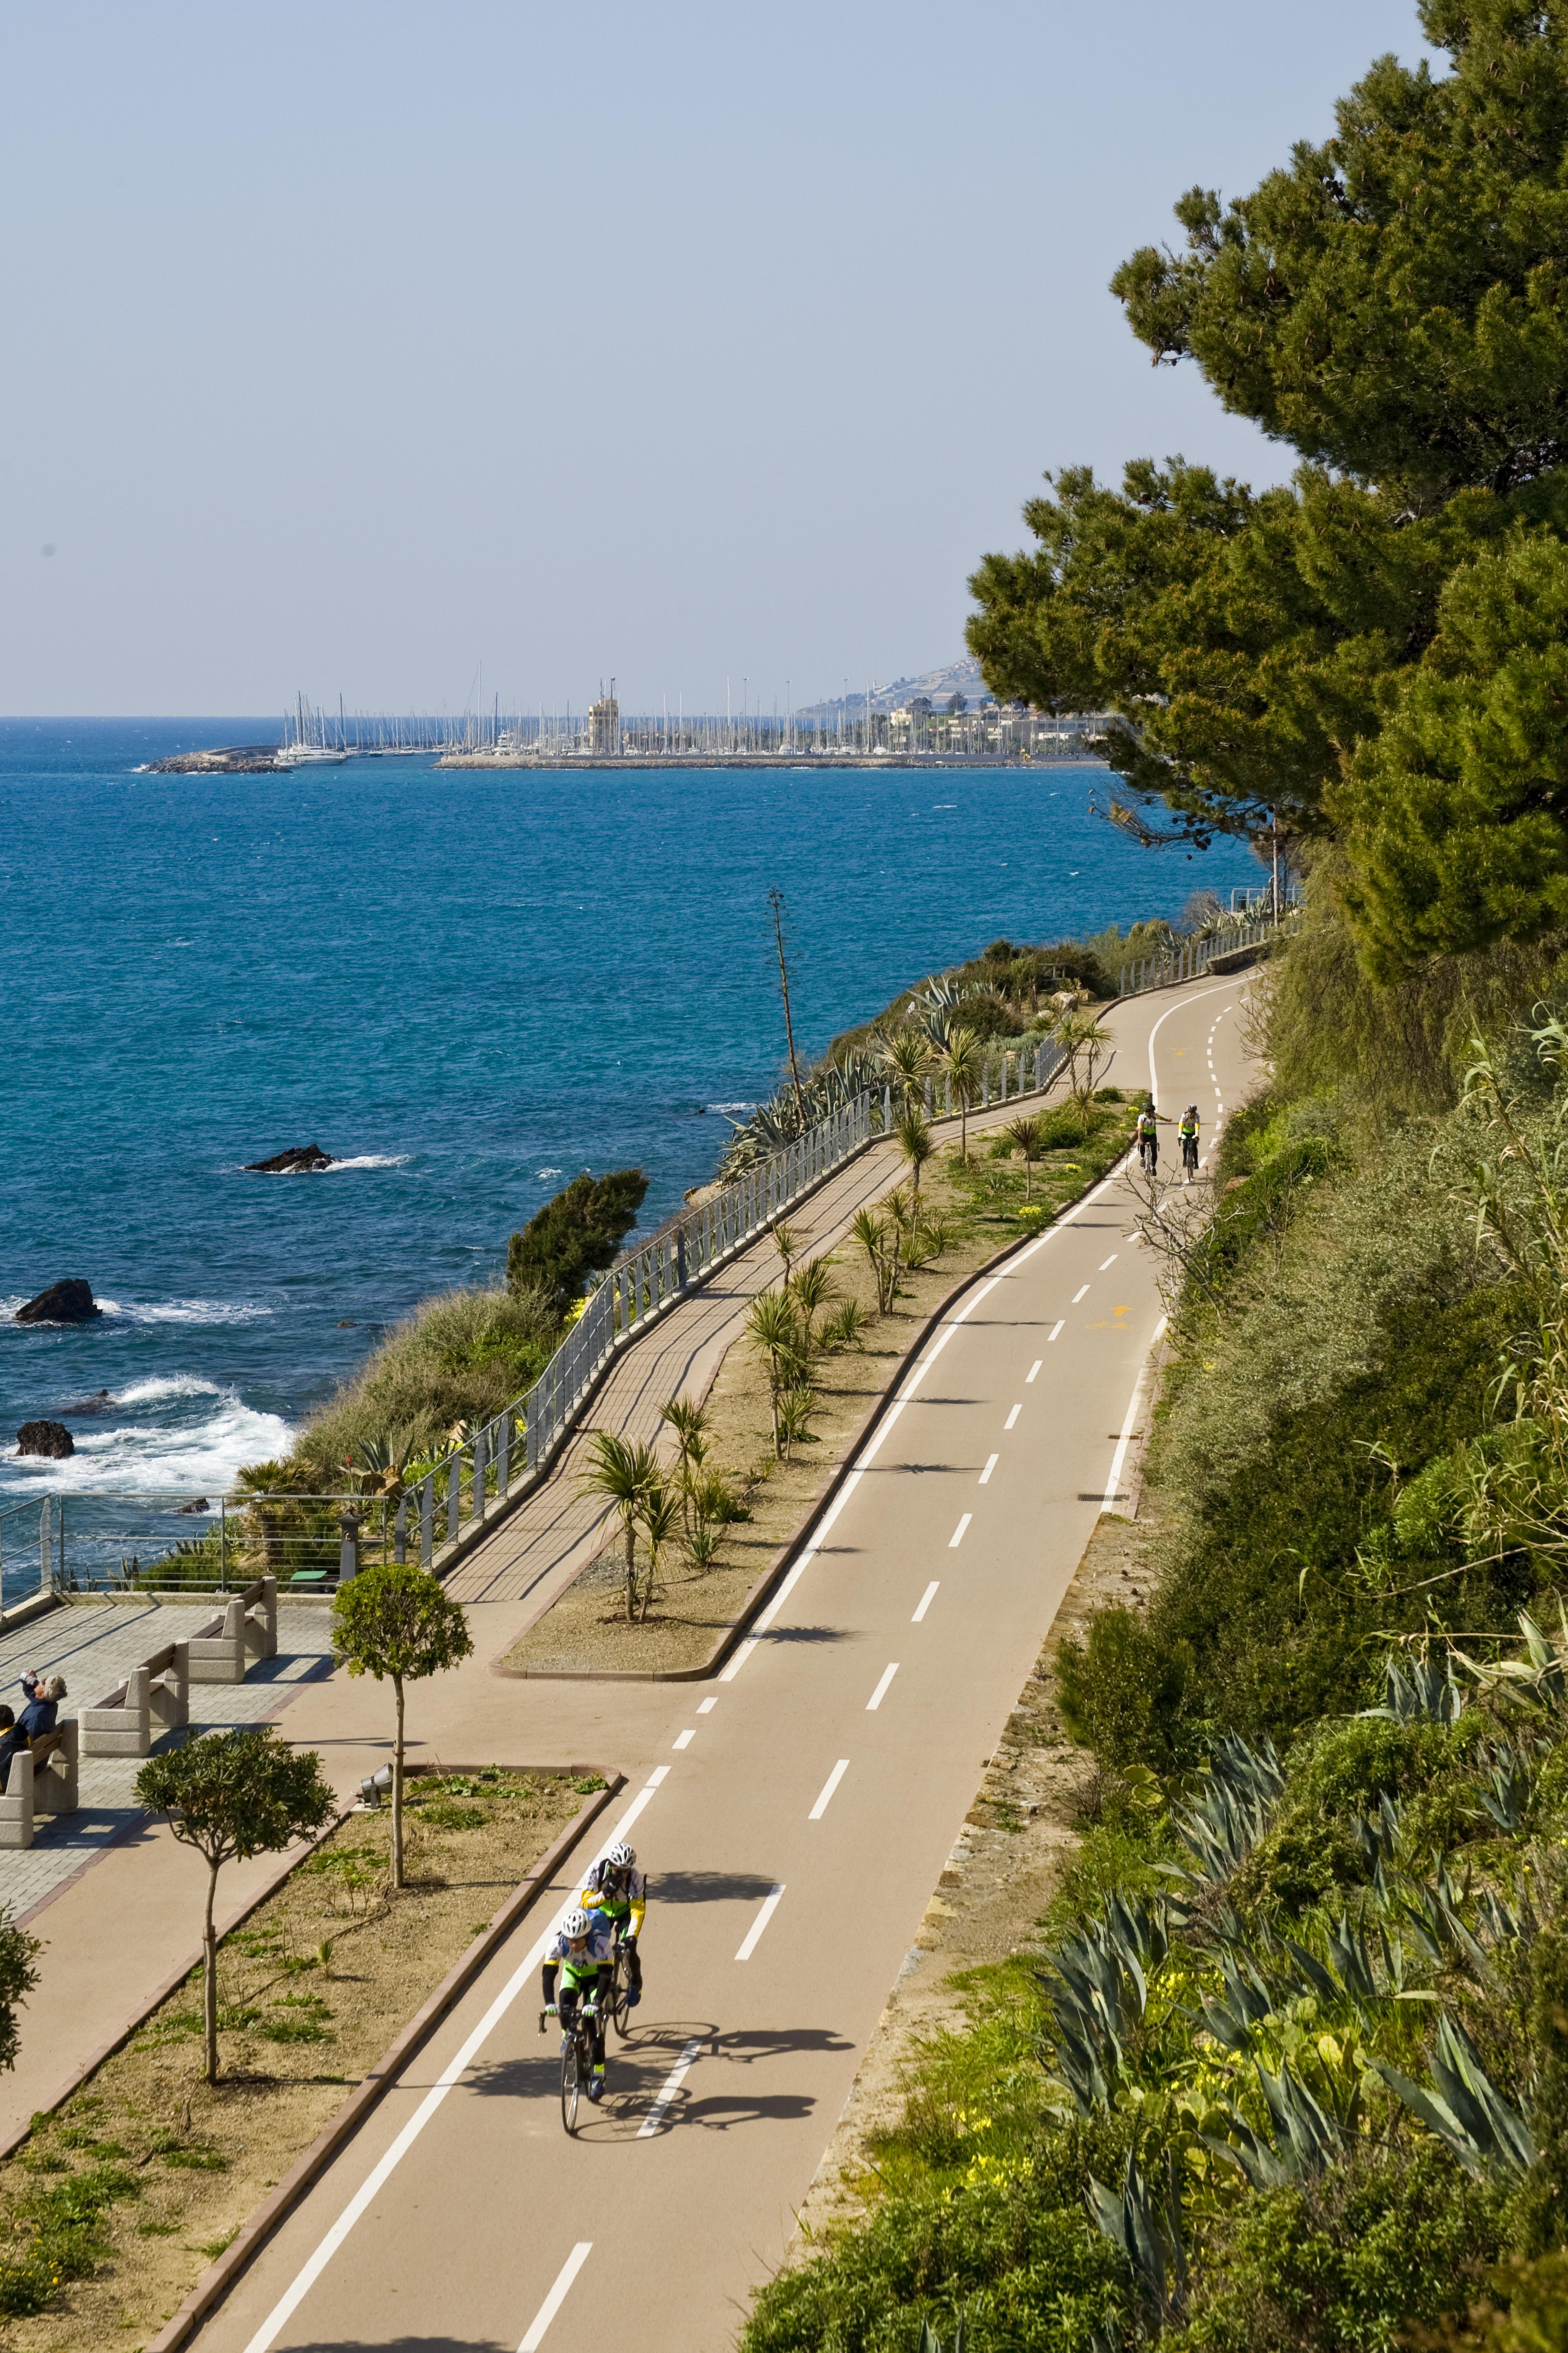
(795, 1815)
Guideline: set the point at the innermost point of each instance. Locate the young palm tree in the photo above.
(906, 1058)
(960, 1061)
(1086, 1042)
(626, 1476)
(914, 1141)
(772, 1327)
(871, 1234)
(787, 1242)
(811, 1287)
(660, 1517)
(1029, 1135)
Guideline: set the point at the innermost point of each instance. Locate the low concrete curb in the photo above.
(773, 1576)
(219, 2277)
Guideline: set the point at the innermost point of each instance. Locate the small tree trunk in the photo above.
(209, 1977)
(964, 1124)
(397, 1789)
(631, 1573)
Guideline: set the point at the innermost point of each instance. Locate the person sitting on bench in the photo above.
(35, 1727)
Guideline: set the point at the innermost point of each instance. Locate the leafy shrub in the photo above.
(575, 1234)
(443, 1817)
(458, 1358)
(1121, 1691)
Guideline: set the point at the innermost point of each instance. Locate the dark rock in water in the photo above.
(345, 1322)
(98, 1402)
(63, 1302)
(305, 1159)
(47, 1437)
(199, 1505)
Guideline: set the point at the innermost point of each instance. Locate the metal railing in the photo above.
(1186, 961)
(109, 1543)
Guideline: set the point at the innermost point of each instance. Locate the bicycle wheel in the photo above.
(620, 1995)
(571, 2083)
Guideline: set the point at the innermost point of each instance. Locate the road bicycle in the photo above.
(618, 2006)
(576, 2059)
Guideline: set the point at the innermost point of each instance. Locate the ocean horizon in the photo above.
(466, 986)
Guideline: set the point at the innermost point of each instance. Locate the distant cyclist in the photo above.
(581, 1957)
(617, 1890)
(1188, 1132)
(1148, 1140)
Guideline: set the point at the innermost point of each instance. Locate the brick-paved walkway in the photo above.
(94, 1647)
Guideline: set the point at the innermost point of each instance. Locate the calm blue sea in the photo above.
(469, 987)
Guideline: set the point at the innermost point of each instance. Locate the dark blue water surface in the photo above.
(469, 985)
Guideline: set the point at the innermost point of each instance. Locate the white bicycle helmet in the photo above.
(621, 1857)
(577, 1923)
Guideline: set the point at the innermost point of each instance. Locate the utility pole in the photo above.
(775, 900)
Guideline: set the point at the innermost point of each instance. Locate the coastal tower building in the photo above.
(605, 723)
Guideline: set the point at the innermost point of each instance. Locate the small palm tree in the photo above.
(960, 1061)
(1029, 1135)
(906, 1057)
(772, 1327)
(812, 1288)
(660, 1517)
(796, 1406)
(914, 1140)
(872, 1234)
(626, 1476)
(1086, 1042)
(787, 1242)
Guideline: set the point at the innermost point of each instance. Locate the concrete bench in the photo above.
(154, 1698)
(43, 1780)
(247, 1630)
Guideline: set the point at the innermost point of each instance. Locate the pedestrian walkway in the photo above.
(94, 1646)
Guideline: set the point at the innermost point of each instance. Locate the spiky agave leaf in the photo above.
(1464, 2109)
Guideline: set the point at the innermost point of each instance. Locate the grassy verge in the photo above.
(982, 1205)
(124, 2195)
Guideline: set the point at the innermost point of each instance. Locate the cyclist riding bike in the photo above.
(1148, 1140)
(580, 1957)
(1188, 1132)
(617, 1890)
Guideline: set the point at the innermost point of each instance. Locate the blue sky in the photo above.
(381, 348)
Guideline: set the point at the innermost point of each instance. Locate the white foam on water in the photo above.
(185, 1311)
(542, 1173)
(369, 1160)
(728, 1108)
(191, 1456)
(182, 1384)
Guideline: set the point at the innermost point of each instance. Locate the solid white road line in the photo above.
(880, 1692)
(770, 1905)
(991, 1463)
(1176, 1007)
(956, 1539)
(1035, 1368)
(457, 2068)
(669, 2088)
(927, 1598)
(1119, 1458)
(706, 1706)
(1013, 1417)
(828, 1787)
(1078, 1295)
(685, 1739)
(557, 2296)
(1109, 1262)
(727, 1674)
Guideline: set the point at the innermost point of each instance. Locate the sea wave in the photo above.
(369, 1160)
(193, 1456)
(727, 1108)
(185, 1311)
(153, 1392)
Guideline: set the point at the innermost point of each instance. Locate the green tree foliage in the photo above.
(231, 1795)
(395, 1622)
(19, 1977)
(575, 1234)
(1371, 652)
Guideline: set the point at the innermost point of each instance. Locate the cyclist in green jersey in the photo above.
(1187, 1130)
(1148, 1140)
(581, 1957)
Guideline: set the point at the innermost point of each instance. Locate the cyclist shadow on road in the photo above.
(708, 1887)
(637, 2067)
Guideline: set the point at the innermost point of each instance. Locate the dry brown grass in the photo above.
(333, 1962)
(586, 1631)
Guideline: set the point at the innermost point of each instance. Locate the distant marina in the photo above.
(919, 732)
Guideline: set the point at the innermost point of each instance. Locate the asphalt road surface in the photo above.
(794, 1814)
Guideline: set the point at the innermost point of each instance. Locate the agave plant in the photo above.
(1427, 1690)
(1098, 1985)
(1220, 1826)
(1464, 2109)
(1306, 2137)
(1145, 2226)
